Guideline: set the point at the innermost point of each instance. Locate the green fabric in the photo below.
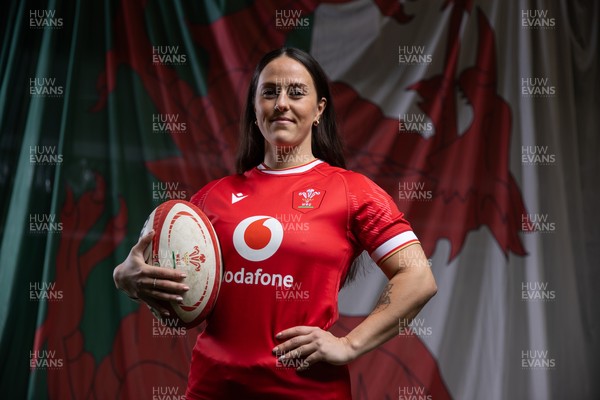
(110, 143)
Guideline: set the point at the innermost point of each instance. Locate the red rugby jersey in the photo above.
(288, 238)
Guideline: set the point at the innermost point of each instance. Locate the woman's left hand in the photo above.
(313, 344)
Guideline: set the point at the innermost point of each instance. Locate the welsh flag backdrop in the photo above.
(480, 118)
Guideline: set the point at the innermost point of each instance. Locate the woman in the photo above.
(290, 224)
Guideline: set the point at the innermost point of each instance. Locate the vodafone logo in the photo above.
(258, 238)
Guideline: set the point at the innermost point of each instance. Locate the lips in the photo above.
(282, 120)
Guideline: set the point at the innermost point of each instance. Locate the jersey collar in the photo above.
(289, 171)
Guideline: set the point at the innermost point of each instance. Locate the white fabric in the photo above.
(480, 323)
(393, 243)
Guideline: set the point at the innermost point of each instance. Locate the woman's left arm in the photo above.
(411, 285)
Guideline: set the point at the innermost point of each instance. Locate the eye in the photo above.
(296, 91)
(269, 93)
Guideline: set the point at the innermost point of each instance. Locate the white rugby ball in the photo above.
(185, 240)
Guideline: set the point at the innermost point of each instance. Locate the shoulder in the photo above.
(344, 174)
(214, 186)
(354, 181)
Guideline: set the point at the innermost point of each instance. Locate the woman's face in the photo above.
(286, 103)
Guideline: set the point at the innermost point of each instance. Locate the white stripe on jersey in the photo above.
(393, 244)
(286, 171)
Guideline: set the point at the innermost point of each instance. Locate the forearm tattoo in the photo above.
(384, 299)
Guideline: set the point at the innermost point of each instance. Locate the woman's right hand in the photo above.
(146, 282)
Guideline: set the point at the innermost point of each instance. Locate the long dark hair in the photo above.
(326, 143)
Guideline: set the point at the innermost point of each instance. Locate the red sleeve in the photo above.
(375, 223)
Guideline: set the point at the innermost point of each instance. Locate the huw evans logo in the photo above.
(413, 55)
(44, 155)
(413, 393)
(167, 393)
(537, 223)
(415, 122)
(537, 359)
(293, 292)
(537, 155)
(537, 87)
(537, 19)
(414, 191)
(167, 327)
(537, 291)
(168, 55)
(292, 222)
(415, 327)
(290, 359)
(42, 19)
(44, 223)
(45, 87)
(285, 154)
(45, 359)
(164, 123)
(163, 191)
(44, 291)
(286, 19)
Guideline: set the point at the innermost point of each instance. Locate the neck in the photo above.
(280, 157)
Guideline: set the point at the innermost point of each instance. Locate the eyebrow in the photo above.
(270, 83)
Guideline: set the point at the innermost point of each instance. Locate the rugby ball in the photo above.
(185, 240)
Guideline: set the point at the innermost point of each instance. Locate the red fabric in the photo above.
(307, 247)
(375, 148)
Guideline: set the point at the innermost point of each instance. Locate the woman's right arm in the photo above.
(148, 283)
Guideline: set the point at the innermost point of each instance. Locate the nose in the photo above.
(281, 103)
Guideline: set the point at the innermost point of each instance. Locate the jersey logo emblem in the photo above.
(235, 197)
(258, 238)
(307, 199)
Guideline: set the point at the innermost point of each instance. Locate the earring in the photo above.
(255, 122)
(316, 123)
